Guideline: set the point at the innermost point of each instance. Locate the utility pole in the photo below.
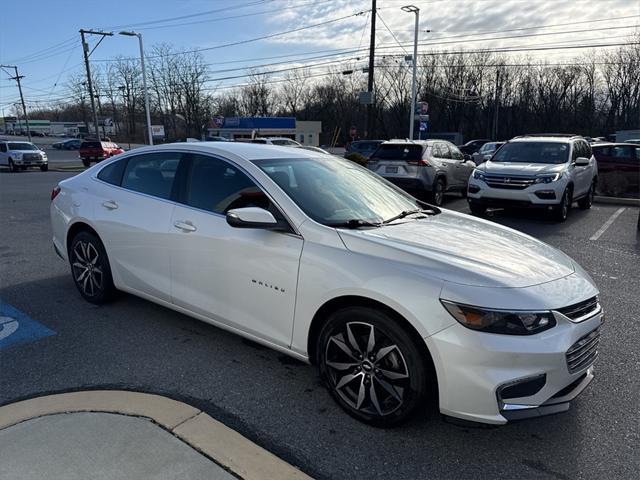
(24, 107)
(87, 53)
(372, 49)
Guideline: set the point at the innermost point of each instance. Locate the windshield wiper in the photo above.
(354, 223)
(406, 213)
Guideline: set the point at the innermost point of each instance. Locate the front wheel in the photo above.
(372, 367)
(562, 211)
(13, 167)
(90, 268)
(478, 210)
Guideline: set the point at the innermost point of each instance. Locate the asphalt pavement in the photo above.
(279, 403)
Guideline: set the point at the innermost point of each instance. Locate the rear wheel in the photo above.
(44, 167)
(372, 366)
(90, 268)
(86, 163)
(437, 196)
(586, 202)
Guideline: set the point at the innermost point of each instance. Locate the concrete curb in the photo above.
(194, 427)
(633, 202)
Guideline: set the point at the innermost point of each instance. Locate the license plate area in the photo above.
(391, 170)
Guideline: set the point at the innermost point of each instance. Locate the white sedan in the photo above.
(401, 304)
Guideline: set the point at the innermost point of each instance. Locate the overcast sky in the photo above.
(41, 36)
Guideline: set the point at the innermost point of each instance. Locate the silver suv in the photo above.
(430, 166)
(542, 171)
(22, 155)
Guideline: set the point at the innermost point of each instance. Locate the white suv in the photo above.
(399, 303)
(542, 171)
(22, 155)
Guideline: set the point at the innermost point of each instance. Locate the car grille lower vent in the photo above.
(581, 309)
(584, 352)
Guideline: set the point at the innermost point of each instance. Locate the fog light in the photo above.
(474, 188)
(546, 194)
(524, 387)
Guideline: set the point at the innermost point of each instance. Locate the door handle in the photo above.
(110, 204)
(185, 226)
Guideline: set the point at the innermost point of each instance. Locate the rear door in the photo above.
(447, 164)
(397, 160)
(462, 168)
(4, 154)
(132, 212)
(243, 277)
(582, 175)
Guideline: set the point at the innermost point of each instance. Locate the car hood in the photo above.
(521, 168)
(462, 249)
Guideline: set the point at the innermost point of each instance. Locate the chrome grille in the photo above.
(581, 309)
(31, 156)
(583, 352)
(509, 182)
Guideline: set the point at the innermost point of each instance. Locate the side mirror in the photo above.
(253, 217)
(486, 157)
(582, 162)
(467, 157)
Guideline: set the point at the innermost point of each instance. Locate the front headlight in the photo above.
(548, 178)
(517, 322)
(17, 155)
(478, 174)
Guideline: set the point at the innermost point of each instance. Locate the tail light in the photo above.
(421, 163)
(55, 192)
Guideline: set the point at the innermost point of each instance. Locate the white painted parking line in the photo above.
(607, 224)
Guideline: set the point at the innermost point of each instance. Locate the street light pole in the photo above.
(144, 83)
(416, 10)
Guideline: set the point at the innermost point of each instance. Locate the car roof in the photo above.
(248, 151)
(547, 138)
(405, 141)
(613, 144)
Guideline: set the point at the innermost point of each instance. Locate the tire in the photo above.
(90, 268)
(354, 373)
(86, 163)
(44, 168)
(437, 196)
(477, 209)
(13, 167)
(585, 202)
(561, 212)
(463, 192)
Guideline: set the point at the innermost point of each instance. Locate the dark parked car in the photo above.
(95, 151)
(618, 167)
(472, 146)
(363, 147)
(72, 144)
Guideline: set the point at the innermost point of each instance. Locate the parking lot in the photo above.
(279, 403)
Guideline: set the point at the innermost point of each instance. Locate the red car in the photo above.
(618, 167)
(95, 151)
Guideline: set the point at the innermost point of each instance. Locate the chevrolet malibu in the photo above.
(400, 304)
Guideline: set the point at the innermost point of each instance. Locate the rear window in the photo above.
(399, 152)
(91, 145)
(112, 173)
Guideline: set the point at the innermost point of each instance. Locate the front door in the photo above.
(244, 278)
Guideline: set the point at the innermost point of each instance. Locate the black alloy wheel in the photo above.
(372, 367)
(90, 268)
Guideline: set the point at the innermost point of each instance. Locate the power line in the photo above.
(391, 32)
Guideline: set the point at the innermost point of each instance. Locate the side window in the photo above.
(638, 153)
(587, 149)
(217, 186)
(112, 173)
(576, 151)
(443, 150)
(152, 173)
(455, 153)
(3, 147)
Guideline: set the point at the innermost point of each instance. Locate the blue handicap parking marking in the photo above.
(16, 327)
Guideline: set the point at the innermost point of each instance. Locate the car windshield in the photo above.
(398, 151)
(533, 152)
(333, 191)
(22, 146)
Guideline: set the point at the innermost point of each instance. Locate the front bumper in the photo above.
(31, 162)
(534, 196)
(474, 367)
(410, 183)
